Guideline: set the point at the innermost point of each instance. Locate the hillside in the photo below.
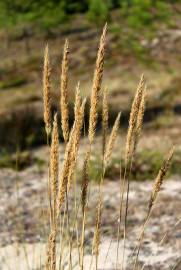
(154, 50)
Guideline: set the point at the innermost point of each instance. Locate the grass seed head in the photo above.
(64, 93)
(133, 119)
(85, 181)
(54, 159)
(46, 92)
(65, 172)
(160, 177)
(97, 80)
(139, 122)
(96, 240)
(79, 119)
(112, 140)
(70, 157)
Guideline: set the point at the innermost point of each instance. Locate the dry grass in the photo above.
(96, 87)
(64, 93)
(156, 189)
(105, 118)
(133, 120)
(160, 177)
(84, 192)
(96, 240)
(54, 163)
(111, 142)
(46, 92)
(61, 185)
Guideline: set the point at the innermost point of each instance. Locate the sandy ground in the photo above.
(23, 199)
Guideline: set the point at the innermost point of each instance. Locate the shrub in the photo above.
(139, 13)
(99, 10)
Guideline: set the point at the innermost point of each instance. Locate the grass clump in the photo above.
(63, 221)
(66, 236)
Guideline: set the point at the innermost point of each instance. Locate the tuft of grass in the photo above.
(63, 221)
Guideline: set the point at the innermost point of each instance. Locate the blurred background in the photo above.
(144, 36)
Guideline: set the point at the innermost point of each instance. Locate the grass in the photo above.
(63, 221)
(16, 82)
(19, 161)
(145, 166)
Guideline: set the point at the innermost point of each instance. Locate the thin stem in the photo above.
(119, 220)
(62, 237)
(121, 207)
(127, 204)
(69, 234)
(140, 239)
(83, 240)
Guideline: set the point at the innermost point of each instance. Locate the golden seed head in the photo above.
(77, 100)
(54, 158)
(112, 140)
(51, 251)
(139, 122)
(133, 119)
(160, 177)
(70, 157)
(96, 241)
(85, 181)
(141, 113)
(97, 86)
(46, 92)
(76, 140)
(64, 93)
(65, 172)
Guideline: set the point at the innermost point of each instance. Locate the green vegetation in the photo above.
(50, 13)
(139, 12)
(14, 82)
(99, 10)
(19, 161)
(145, 166)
